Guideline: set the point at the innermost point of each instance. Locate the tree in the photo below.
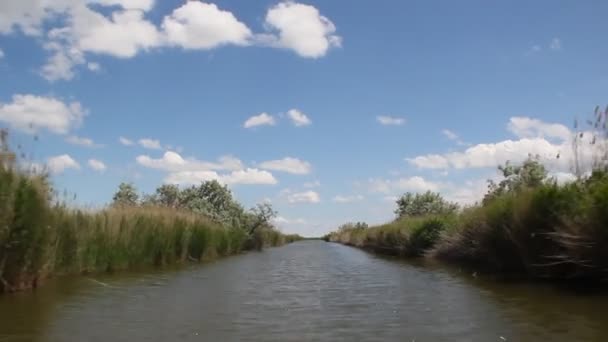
(428, 203)
(167, 195)
(261, 215)
(530, 174)
(212, 200)
(126, 195)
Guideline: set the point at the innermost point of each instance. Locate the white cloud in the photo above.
(280, 220)
(92, 66)
(298, 118)
(31, 113)
(304, 197)
(151, 144)
(247, 176)
(556, 44)
(1, 54)
(199, 25)
(173, 162)
(302, 29)
(58, 164)
(390, 120)
(348, 199)
(453, 136)
(288, 164)
(413, 184)
(72, 29)
(123, 35)
(262, 119)
(557, 154)
(449, 134)
(27, 15)
(525, 127)
(126, 141)
(97, 165)
(491, 155)
(81, 141)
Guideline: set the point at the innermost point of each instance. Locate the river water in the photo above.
(306, 291)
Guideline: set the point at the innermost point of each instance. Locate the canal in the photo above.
(306, 291)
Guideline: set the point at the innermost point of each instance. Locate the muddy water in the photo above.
(307, 291)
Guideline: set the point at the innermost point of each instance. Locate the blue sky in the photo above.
(326, 110)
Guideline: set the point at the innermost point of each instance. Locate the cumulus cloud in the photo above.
(263, 119)
(348, 199)
(304, 197)
(81, 141)
(533, 136)
(301, 28)
(60, 163)
(390, 120)
(193, 171)
(298, 118)
(126, 141)
(288, 164)
(94, 67)
(247, 176)
(31, 113)
(151, 144)
(199, 25)
(97, 165)
(174, 162)
(525, 127)
(280, 220)
(71, 29)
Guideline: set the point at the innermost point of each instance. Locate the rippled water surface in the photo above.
(307, 291)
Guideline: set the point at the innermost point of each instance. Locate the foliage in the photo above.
(409, 236)
(126, 195)
(428, 203)
(530, 174)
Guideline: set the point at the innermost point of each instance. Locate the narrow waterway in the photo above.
(306, 291)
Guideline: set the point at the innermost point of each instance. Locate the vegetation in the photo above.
(527, 224)
(40, 237)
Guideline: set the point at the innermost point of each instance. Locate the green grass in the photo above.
(39, 239)
(407, 237)
(551, 231)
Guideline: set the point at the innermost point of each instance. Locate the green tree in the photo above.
(213, 200)
(530, 174)
(428, 203)
(126, 195)
(168, 195)
(261, 216)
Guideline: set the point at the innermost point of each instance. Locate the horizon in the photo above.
(329, 123)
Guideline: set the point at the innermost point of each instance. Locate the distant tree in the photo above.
(213, 200)
(167, 195)
(530, 174)
(261, 216)
(410, 205)
(126, 195)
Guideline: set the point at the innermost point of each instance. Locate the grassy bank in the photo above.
(40, 237)
(534, 228)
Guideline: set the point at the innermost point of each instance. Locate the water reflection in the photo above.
(304, 291)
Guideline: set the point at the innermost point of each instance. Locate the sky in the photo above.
(327, 111)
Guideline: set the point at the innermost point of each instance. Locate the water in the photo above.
(307, 291)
